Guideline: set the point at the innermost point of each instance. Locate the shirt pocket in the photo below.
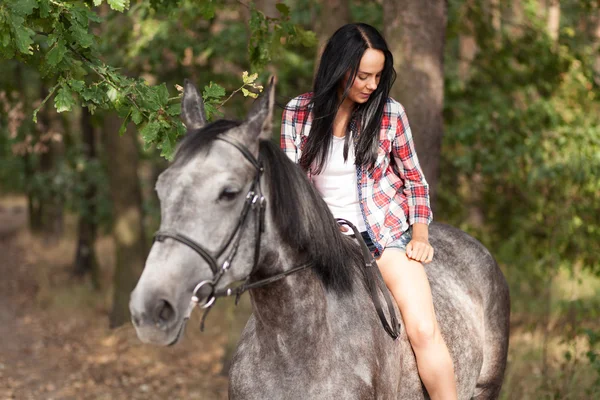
(382, 161)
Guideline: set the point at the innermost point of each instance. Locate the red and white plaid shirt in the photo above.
(393, 195)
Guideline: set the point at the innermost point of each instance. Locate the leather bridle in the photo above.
(256, 202)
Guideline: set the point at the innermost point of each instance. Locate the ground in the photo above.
(55, 342)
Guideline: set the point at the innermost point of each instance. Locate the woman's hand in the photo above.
(418, 248)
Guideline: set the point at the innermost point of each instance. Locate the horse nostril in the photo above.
(164, 312)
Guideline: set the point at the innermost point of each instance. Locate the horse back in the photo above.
(472, 306)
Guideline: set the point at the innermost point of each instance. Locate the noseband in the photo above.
(255, 201)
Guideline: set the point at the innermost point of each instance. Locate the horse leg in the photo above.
(496, 323)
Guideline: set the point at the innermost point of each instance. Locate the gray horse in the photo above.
(235, 208)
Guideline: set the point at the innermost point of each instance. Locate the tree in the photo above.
(323, 24)
(128, 231)
(56, 38)
(553, 18)
(419, 32)
(467, 43)
(86, 262)
(596, 46)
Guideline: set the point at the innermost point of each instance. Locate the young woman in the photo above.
(356, 146)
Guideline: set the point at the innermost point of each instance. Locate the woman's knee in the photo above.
(422, 333)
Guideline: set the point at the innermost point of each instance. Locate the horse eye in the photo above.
(229, 194)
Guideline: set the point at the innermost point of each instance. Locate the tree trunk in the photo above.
(416, 33)
(50, 211)
(128, 232)
(496, 15)
(85, 255)
(553, 19)
(493, 12)
(467, 45)
(334, 14)
(596, 46)
(517, 16)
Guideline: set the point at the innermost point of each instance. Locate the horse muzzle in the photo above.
(156, 320)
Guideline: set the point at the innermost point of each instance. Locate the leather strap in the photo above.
(375, 282)
(249, 156)
(161, 235)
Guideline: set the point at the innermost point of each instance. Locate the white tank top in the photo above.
(338, 186)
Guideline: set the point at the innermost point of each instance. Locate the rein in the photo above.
(256, 202)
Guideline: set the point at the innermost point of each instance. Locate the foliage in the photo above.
(521, 150)
(267, 35)
(55, 37)
(527, 125)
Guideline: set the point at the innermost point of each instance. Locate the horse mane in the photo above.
(305, 222)
(301, 217)
(198, 139)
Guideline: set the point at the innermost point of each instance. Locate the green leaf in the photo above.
(168, 146)
(123, 127)
(210, 110)
(82, 36)
(5, 38)
(44, 8)
(64, 100)
(56, 54)
(283, 9)
(22, 7)
(162, 94)
(113, 94)
(78, 15)
(307, 38)
(148, 97)
(95, 94)
(150, 131)
(207, 9)
(174, 109)
(136, 116)
(97, 2)
(76, 85)
(213, 91)
(119, 5)
(23, 36)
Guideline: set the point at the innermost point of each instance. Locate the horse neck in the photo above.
(293, 307)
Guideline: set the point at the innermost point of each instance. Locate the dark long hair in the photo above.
(342, 54)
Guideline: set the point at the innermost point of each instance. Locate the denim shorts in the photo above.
(399, 243)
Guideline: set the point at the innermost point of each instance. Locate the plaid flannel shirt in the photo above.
(394, 194)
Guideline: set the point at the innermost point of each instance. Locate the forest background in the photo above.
(503, 99)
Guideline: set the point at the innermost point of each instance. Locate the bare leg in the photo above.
(409, 285)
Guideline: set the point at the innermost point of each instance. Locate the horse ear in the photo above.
(260, 118)
(192, 107)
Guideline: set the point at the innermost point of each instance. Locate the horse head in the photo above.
(213, 209)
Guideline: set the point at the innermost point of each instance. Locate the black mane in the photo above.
(305, 222)
(197, 139)
(300, 215)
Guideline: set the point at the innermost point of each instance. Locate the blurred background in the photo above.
(504, 103)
